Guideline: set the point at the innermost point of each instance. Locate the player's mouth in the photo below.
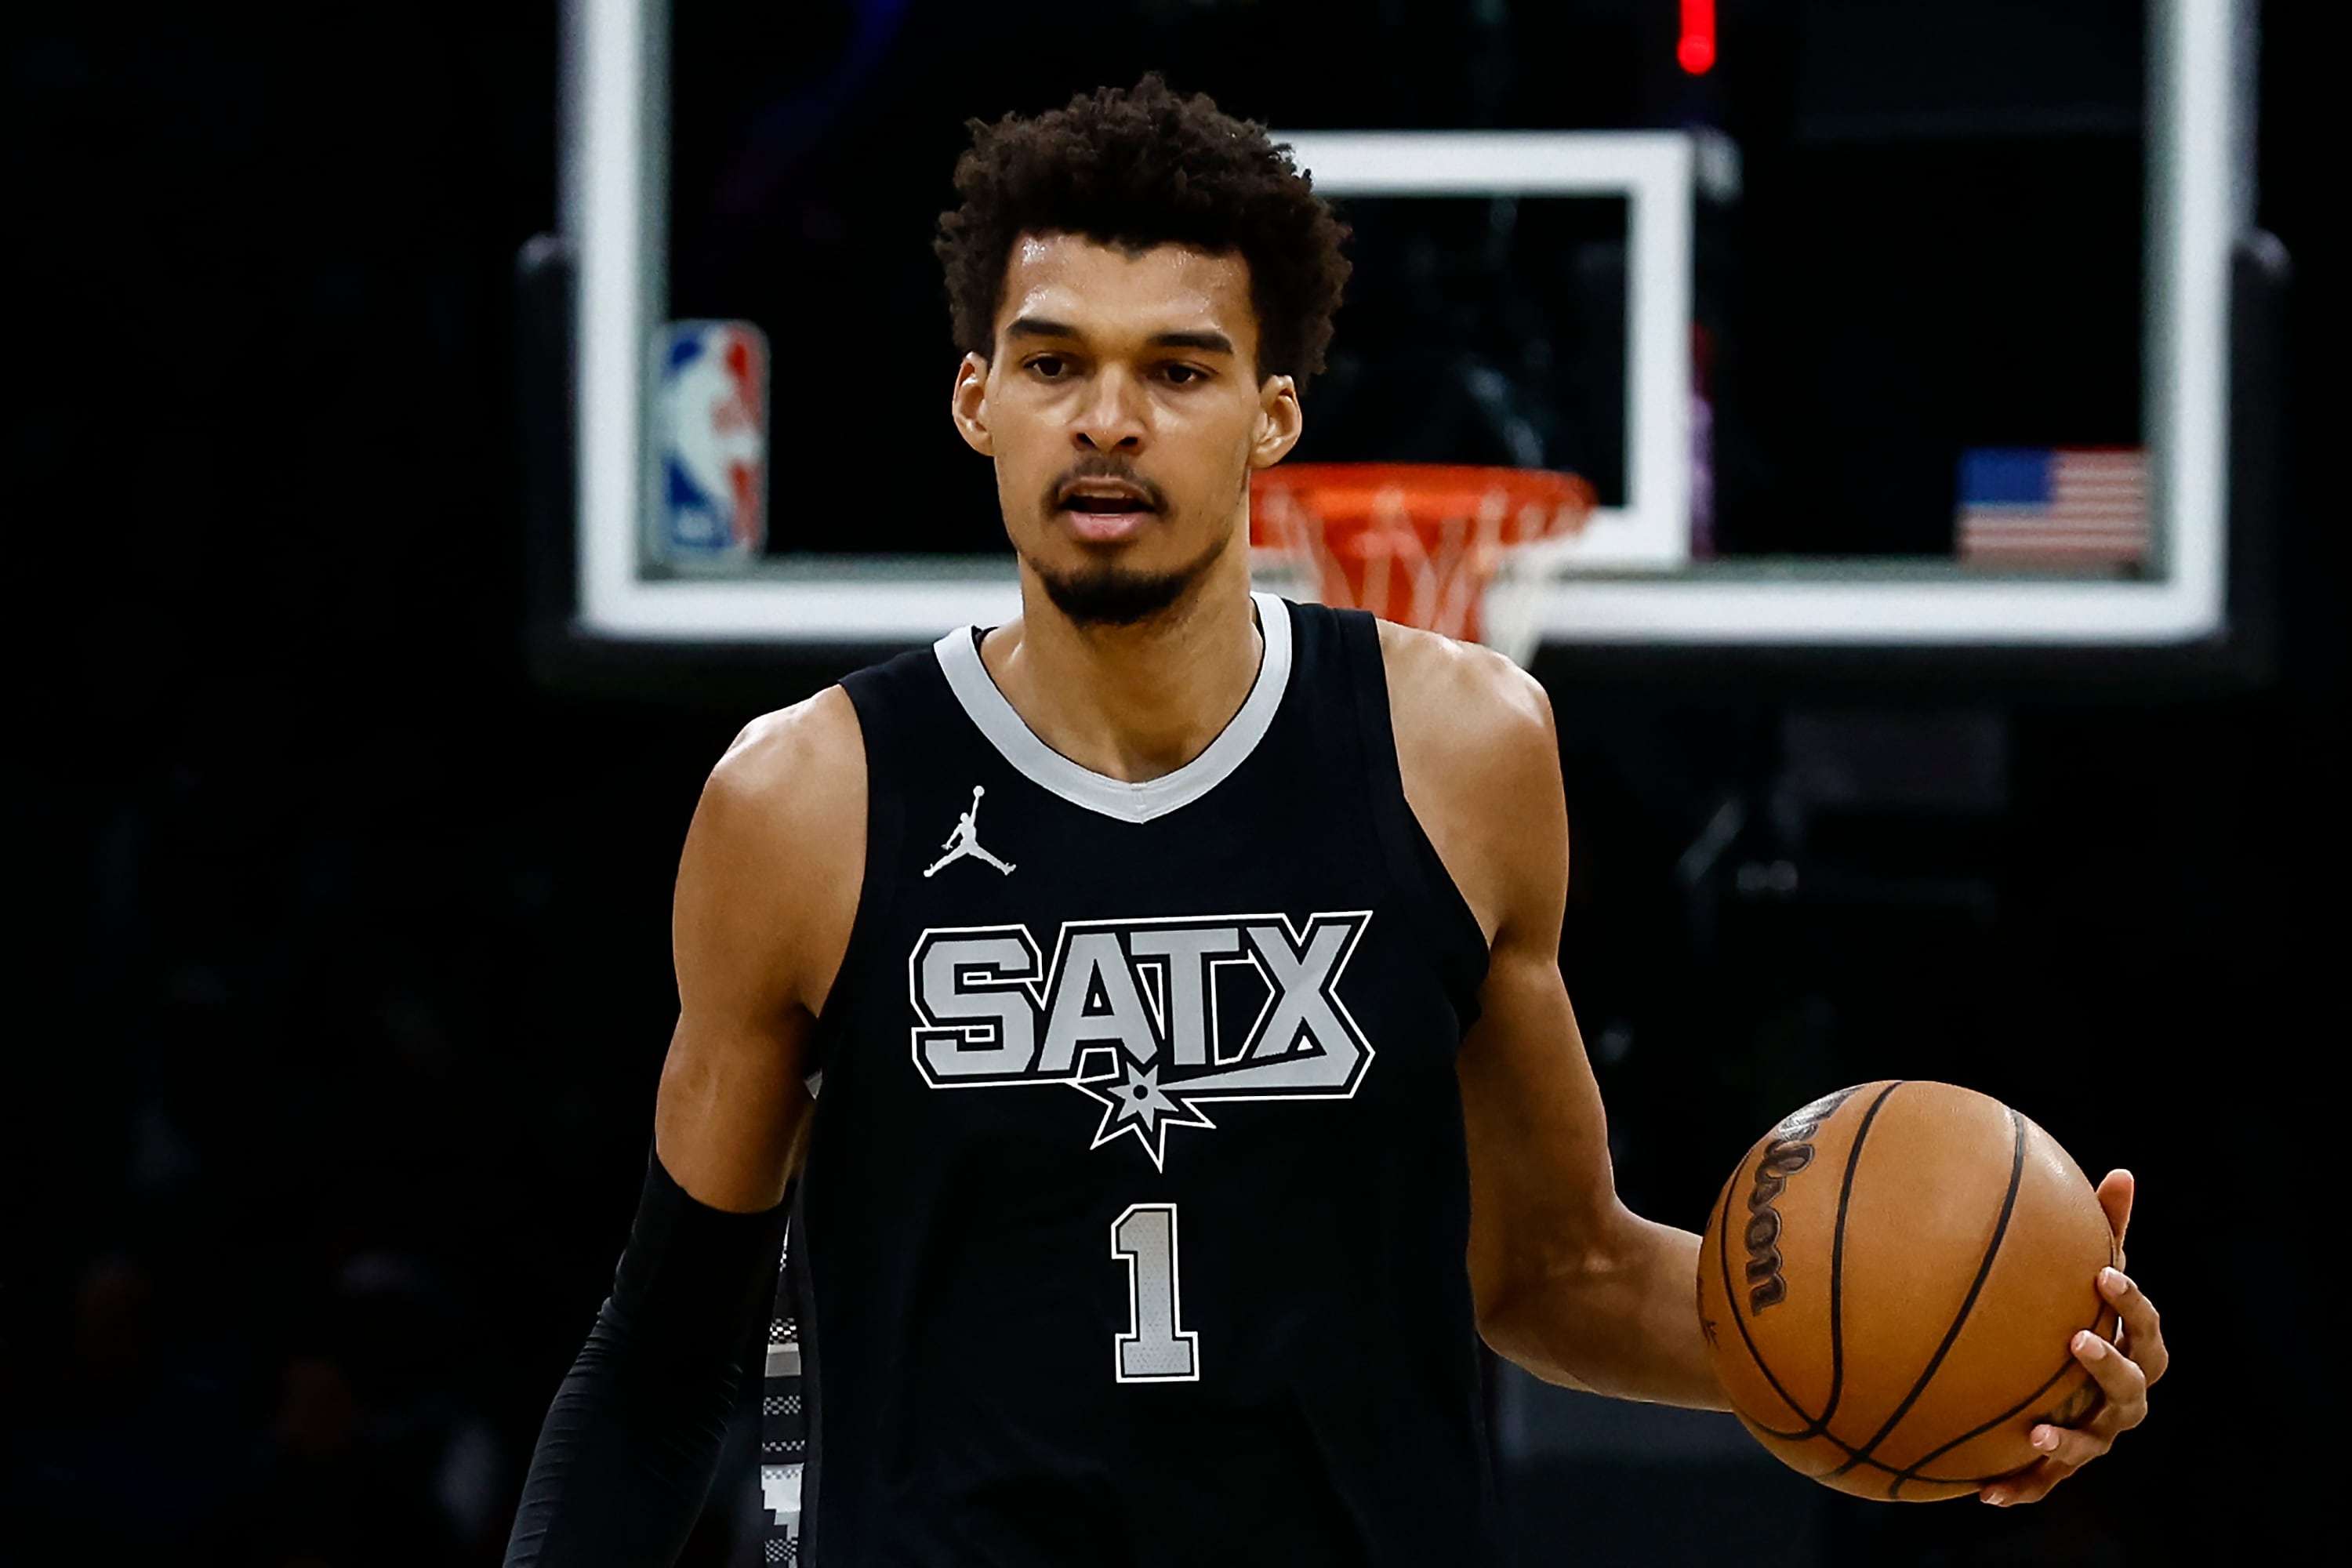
(1103, 512)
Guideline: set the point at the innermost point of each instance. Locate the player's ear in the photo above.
(1279, 421)
(969, 406)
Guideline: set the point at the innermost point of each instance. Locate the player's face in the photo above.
(1125, 412)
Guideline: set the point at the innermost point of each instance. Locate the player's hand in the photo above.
(2123, 1371)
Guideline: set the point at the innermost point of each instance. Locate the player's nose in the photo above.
(1110, 417)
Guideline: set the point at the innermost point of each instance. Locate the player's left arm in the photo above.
(2124, 1370)
(1567, 1282)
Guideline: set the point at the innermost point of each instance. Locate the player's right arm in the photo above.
(767, 890)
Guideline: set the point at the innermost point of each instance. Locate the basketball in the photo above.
(1890, 1283)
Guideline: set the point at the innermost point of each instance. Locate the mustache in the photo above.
(1103, 466)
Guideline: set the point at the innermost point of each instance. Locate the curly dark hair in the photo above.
(1143, 167)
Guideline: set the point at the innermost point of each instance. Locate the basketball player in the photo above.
(1166, 1143)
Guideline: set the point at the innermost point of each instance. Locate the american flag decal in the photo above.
(2065, 506)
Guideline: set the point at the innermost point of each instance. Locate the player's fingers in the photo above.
(2030, 1484)
(2072, 1447)
(2119, 1378)
(2116, 1189)
(2142, 1325)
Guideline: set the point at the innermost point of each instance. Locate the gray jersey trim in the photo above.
(1047, 768)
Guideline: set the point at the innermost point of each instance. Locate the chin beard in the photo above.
(1112, 595)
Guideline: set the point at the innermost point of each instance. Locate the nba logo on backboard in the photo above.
(711, 445)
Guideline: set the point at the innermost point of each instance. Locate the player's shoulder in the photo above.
(1464, 701)
(781, 749)
(1479, 761)
(797, 772)
(767, 880)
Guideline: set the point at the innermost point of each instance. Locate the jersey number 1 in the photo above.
(1156, 1348)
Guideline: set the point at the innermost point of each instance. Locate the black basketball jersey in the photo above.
(1133, 1224)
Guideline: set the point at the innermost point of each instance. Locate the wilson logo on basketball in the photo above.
(1788, 1154)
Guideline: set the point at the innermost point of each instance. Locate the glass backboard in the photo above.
(1895, 326)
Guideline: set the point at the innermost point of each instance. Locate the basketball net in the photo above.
(1460, 551)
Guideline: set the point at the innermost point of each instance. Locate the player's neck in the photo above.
(1133, 702)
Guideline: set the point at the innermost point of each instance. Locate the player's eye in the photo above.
(1050, 367)
(1182, 374)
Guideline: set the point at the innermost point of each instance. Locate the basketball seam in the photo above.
(1837, 1264)
(1916, 1470)
(1911, 1472)
(1815, 1428)
(1897, 1480)
(1731, 1299)
(1968, 1304)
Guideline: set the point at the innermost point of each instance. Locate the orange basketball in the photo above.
(1889, 1285)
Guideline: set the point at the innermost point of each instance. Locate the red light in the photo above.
(1695, 48)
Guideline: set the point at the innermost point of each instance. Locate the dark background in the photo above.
(1937, 244)
(341, 978)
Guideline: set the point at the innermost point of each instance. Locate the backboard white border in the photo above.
(1652, 170)
(2199, 193)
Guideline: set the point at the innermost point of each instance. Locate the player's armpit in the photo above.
(767, 890)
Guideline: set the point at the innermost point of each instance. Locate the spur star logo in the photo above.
(1153, 1019)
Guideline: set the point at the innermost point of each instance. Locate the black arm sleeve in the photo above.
(627, 1451)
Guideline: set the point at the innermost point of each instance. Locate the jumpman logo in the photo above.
(965, 840)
